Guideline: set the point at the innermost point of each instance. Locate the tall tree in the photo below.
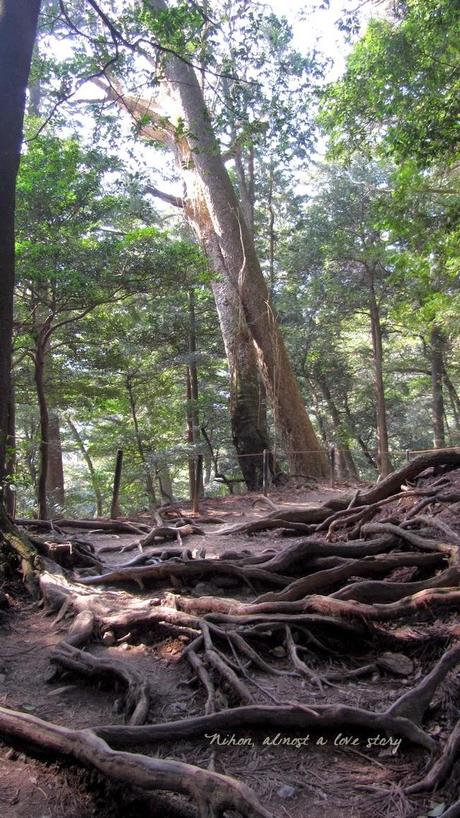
(18, 25)
(222, 225)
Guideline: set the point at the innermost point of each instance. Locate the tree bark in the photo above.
(346, 463)
(55, 473)
(247, 408)
(383, 457)
(149, 481)
(39, 377)
(437, 366)
(194, 392)
(242, 268)
(92, 473)
(10, 466)
(18, 24)
(453, 396)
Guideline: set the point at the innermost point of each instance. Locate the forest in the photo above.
(229, 409)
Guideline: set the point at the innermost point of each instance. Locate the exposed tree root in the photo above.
(441, 768)
(95, 524)
(320, 599)
(381, 491)
(187, 570)
(213, 793)
(137, 699)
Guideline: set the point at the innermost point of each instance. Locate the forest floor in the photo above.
(308, 773)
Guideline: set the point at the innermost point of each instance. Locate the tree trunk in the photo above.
(271, 234)
(453, 396)
(39, 376)
(10, 466)
(165, 483)
(243, 269)
(383, 457)
(92, 472)
(149, 481)
(193, 370)
(439, 436)
(55, 471)
(346, 463)
(18, 23)
(247, 397)
(361, 443)
(247, 408)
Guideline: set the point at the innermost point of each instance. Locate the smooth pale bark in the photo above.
(18, 24)
(55, 473)
(243, 269)
(437, 367)
(383, 458)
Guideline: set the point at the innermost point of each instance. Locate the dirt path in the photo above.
(310, 774)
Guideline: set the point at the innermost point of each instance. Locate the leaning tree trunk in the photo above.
(248, 438)
(247, 401)
(243, 269)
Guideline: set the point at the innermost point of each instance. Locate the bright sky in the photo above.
(316, 28)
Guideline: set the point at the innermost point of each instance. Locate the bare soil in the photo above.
(325, 776)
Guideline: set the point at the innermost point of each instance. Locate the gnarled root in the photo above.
(213, 793)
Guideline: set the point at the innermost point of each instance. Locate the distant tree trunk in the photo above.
(243, 269)
(165, 483)
(346, 463)
(149, 481)
(437, 367)
(453, 396)
(92, 472)
(55, 471)
(18, 24)
(361, 443)
(383, 457)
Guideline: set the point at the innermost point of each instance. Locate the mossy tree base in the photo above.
(17, 553)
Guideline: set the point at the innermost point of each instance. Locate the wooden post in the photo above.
(265, 472)
(197, 484)
(407, 455)
(332, 453)
(115, 510)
